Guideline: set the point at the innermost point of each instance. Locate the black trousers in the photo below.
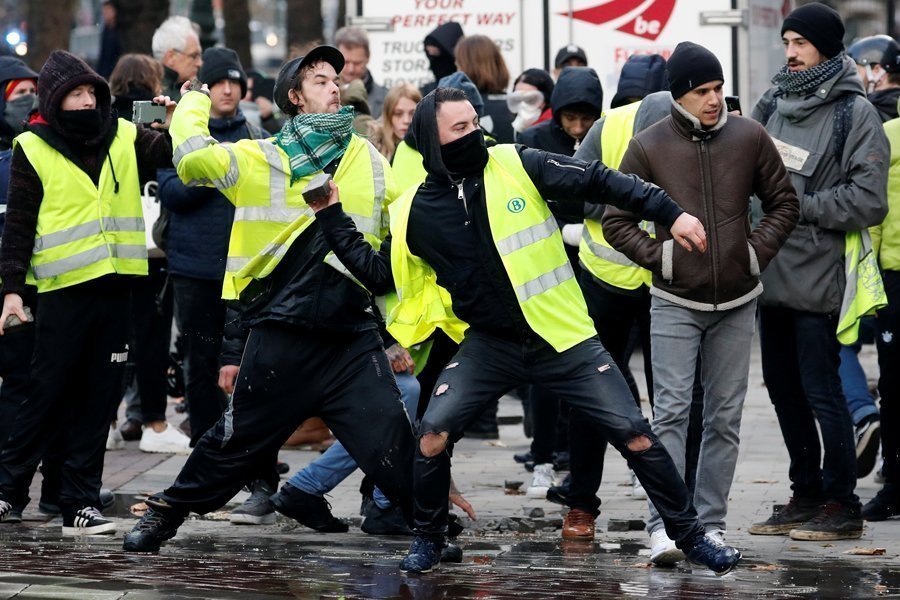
(800, 360)
(152, 323)
(288, 375)
(888, 342)
(81, 345)
(586, 377)
(16, 350)
(200, 312)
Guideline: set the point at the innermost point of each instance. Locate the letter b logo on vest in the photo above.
(516, 205)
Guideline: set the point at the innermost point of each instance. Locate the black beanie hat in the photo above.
(820, 24)
(62, 73)
(222, 63)
(691, 65)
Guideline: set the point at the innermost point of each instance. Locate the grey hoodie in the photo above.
(808, 273)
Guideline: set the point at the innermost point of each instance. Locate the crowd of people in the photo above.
(393, 261)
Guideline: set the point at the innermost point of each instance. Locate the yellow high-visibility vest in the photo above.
(864, 293)
(530, 247)
(85, 231)
(270, 213)
(407, 166)
(594, 252)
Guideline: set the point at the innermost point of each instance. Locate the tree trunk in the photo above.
(304, 24)
(237, 29)
(49, 28)
(137, 21)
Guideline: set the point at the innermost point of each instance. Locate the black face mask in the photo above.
(466, 156)
(441, 65)
(81, 125)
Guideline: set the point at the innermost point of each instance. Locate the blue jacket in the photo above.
(200, 217)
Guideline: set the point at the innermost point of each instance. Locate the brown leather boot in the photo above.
(578, 525)
(312, 432)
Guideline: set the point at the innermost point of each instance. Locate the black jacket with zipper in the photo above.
(449, 228)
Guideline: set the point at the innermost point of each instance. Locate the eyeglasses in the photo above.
(194, 56)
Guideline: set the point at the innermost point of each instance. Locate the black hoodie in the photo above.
(449, 228)
(61, 73)
(577, 87)
(444, 37)
(885, 102)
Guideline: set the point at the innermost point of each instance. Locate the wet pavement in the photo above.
(211, 558)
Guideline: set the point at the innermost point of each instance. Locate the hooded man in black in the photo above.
(439, 47)
(449, 229)
(577, 102)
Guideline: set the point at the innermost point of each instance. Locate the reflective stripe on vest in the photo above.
(262, 234)
(531, 250)
(600, 259)
(108, 235)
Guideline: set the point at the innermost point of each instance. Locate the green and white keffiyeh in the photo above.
(313, 140)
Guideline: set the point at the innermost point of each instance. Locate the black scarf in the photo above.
(86, 126)
(465, 156)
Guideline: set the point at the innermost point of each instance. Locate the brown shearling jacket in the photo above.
(711, 174)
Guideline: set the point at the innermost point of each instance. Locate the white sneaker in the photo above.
(115, 441)
(541, 482)
(637, 490)
(168, 441)
(663, 551)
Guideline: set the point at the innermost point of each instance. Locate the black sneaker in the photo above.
(884, 505)
(835, 521)
(713, 554)
(451, 553)
(385, 521)
(86, 521)
(282, 467)
(868, 441)
(786, 518)
(524, 457)
(312, 511)
(560, 494)
(51, 509)
(159, 523)
(257, 509)
(424, 555)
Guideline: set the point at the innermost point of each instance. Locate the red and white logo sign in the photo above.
(644, 20)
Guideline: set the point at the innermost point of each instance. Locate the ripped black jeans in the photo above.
(587, 378)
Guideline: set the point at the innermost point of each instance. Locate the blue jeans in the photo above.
(800, 361)
(853, 380)
(335, 465)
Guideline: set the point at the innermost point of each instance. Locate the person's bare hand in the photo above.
(332, 198)
(227, 376)
(188, 85)
(265, 107)
(401, 361)
(457, 499)
(12, 305)
(686, 230)
(170, 108)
